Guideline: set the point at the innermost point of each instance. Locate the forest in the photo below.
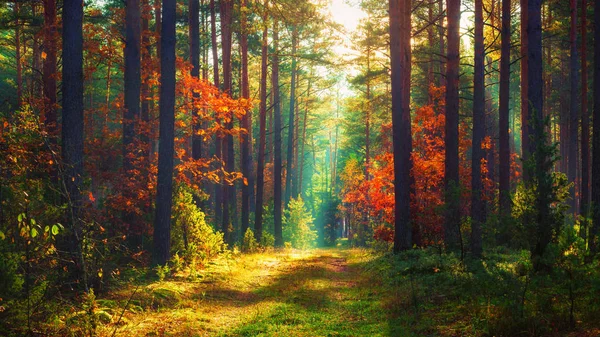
(299, 168)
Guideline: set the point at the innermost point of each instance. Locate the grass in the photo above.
(336, 292)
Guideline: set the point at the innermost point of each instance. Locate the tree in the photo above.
(289, 177)
(596, 136)
(260, 166)
(477, 201)
(400, 54)
(504, 169)
(585, 124)
(526, 149)
(164, 189)
(451, 178)
(132, 87)
(248, 186)
(572, 156)
(49, 69)
(277, 140)
(72, 126)
(194, 31)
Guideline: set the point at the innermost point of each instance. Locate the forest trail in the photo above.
(323, 292)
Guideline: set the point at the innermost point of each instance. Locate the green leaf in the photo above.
(32, 220)
(2, 236)
(55, 229)
(34, 232)
(20, 217)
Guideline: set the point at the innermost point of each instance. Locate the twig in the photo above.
(123, 312)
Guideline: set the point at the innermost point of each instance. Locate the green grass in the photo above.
(345, 292)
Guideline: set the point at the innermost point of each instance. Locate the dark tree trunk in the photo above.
(442, 34)
(573, 109)
(131, 113)
(289, 177)
(248, 186)
(452, 184)
(477, 200)
(277, 141)
(164, 188)
(504, 167)
(194, 31)
(400, 52)
(49, 70)
(72, 126)
(260, 166)
(526, 150)
(585, 124)
(536, 99)
(229, 203)
(593, 240)
(19, 65)
(216, 81)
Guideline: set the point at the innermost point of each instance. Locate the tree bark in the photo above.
(400, 52)
(477, 200)
(19, 65)
(72, 126)
(164, 188)
(525, 129)
(248, 186)
(260, 166)
(49, 70)
(573, 109)
(593, 240)
(452, 184)
(277, 141)
(504, 168)
(289, 177)
(585, 124)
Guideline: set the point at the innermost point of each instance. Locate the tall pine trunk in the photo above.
(504, 167)
(573, 108)
(477, 200)
(164, 188)
(585, 124)
(72, 128)
(525, 127)
(400, 53)
(451, 178)
(289, 177)
(248, 186)
(596, 135)
(277, 141)
(260, 165)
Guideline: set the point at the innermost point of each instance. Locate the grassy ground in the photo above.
(340, 292)
(288, 293)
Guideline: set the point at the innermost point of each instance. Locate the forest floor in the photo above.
(322, 292)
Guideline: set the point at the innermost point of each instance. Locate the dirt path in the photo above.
(315, 293)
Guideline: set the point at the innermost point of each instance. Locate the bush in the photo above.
(191, 235)
(267, 240)
(298, 228)
(249, 245)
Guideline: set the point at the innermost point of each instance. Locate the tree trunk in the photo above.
(17, 10)
(131, 113)
(72, 127)
(277, 141)
(260, 166)
(229, 202)
(504, 168)
(164, 188)
(216, 81)
(525, 129)
(477, 200)
(248, 186)
(49, 70)
(289, 177)
(400, 52)
(543, 164)
(593, 240)
(585, 124)
(452, 184)
(573, 109)
(194, 31)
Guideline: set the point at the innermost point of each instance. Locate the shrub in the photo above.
(249, 244)
(298, 228)
(190, 234)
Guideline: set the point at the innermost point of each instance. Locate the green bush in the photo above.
(249, 244)
(298, 228)
(195, 239)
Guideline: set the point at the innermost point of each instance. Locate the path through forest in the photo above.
(291, 293)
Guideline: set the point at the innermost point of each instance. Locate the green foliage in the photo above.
(191, 235)
(298, 228)
(249, 244)
(162, 272)
(267, 240)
